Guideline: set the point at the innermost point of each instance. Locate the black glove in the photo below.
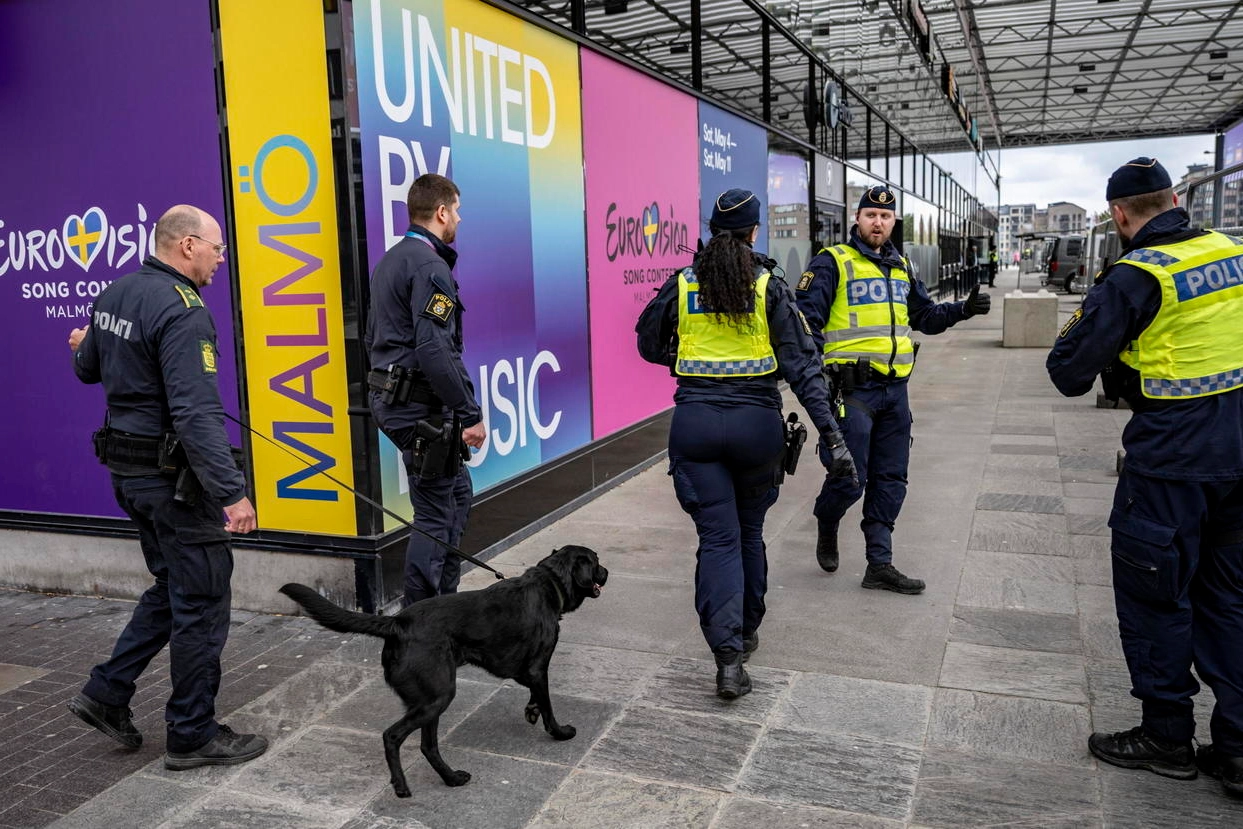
(977, 303)
(836, 457)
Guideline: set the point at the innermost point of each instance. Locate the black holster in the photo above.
(795, 437)
(438, 449)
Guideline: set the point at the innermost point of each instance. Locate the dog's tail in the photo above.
(338, 618)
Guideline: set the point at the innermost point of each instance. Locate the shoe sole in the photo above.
(727, 693)
(1231, 787)
(1156, 768)
(182, 764)
(880, 585)
(85, 715)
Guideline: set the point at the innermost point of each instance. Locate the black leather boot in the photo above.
(826, 547)
(732, 680)
(750, 641)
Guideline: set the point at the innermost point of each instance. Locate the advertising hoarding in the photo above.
(641, 146)
(83, 180)
(462, 89)
(733, 152)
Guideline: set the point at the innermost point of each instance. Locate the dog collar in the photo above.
(560, 595)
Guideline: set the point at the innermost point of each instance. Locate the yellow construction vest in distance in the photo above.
(707, 348)
(1191, 348)
(868, 318)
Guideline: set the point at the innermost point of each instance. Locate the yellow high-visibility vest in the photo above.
(1191, 348)
(868, 318)
(707, 348)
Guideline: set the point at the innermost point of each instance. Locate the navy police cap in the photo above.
(878, 197)
(735, 210)
(1137, 177)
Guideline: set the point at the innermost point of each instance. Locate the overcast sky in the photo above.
(1078, 172)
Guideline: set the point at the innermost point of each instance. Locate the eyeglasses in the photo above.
(220, 249)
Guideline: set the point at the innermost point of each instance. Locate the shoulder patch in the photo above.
(207, 354)
(1072, 322)
(439, 306)
(189, 296)
(804, 281)
(806, 325)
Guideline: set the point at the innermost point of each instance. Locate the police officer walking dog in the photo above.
(152, 344)
(1162, 329)
(862, 303)
(421, 395)
(728, 329)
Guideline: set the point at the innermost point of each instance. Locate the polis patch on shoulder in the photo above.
(1072, 322)
(440, 307)
(207, 353)
(804, 281)
(189, 296)
(806, 325)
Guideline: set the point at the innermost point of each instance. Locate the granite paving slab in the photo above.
(1018, 448)
(593, 800)
(235, 810)
(961, 789)
(1007, 502)
(144, 800)
(1095, 523)
(329, 767)
(374, 706)
(1136, 799)
(498, 726)
(886, 711)
(1012, 728)
(689, 685)
(1013, 532)
(1098, 621)
(14, 676)
(1012, 628)
(744, 813)
(503, 793)
(1019, 427)
(1021, 439)
(705, 751)
(601, 673)
(1013, 672)
(1046, 483)
(850, 773)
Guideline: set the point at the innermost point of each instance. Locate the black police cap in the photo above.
(735, 210)
(878, 197)
(1137, 177)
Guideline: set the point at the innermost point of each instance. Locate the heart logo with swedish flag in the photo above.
(651, 226)
(84, 236)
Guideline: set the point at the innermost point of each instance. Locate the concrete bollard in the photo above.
(1029, 320)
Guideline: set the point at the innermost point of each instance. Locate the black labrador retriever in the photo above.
(509, 629)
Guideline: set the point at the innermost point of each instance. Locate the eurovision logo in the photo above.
(646, 232)
(81, 239)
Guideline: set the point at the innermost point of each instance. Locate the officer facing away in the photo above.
(1162, 329)
(727, 329)
(152, 344)
(862, 302)
(421, 396)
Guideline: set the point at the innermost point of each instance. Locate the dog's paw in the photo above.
(532, 713)
(458, 778)
(401, 790)
(563, 732)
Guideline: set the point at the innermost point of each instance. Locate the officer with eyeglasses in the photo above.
(152, 344)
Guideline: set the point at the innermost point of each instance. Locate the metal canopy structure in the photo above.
(1029, 71)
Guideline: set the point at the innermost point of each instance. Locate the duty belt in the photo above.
(378, 381)
(136, 450)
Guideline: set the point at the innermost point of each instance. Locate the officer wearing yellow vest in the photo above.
(1162, 327)
(729, 330)
(862, 303)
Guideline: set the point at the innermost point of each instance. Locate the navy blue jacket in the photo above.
(1198, 439)
(797, 360)
(815, 297)
(408, 326)
(152, 343)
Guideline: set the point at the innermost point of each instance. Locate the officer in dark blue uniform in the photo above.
(728, 330)
(421, 395)
(1161, 328)
(862, 303)
(152, 344)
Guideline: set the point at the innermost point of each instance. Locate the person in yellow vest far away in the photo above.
(862, 302)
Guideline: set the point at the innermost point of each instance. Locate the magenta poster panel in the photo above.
(641, 153)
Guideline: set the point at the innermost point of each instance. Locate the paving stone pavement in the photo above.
(969, 705)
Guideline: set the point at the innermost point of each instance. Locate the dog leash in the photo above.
(381, 507)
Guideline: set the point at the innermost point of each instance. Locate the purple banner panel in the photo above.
(109, 120)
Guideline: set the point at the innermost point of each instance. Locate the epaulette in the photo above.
(189, 296)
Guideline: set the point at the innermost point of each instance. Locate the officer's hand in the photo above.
(977, 303)
(75, 338)
(241, 517)
(474, 436)
(837, 458)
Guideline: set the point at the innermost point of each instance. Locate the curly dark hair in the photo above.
(726, 272)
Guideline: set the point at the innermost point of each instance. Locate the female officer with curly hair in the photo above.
(729, 331)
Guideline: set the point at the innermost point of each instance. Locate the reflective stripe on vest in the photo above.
(708, 348)
(868, 318)
(1191, 347)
